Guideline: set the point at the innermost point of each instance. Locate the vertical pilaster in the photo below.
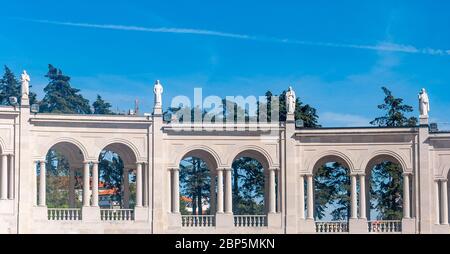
(310, 198)
(219, 190)
(11, 175)
(42, 184)
(272, 199)
(4, 177)
(362, 196)
(176, 190)
(301, 197)
(444, 197)
(354, 201)
(138, 184)
(437, 202)
(212, 194)
(228, 192)
(126, 189)
(406, 197)
(95, 183)
(86, 191)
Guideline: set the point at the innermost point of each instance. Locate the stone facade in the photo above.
(154, 149)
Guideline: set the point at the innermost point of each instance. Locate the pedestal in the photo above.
(408, 226)
(90, 214)
(40, 213)
(174, 220)
(157, 111)
(306, 226)
(358, 226)
(274, 220)
(140, 214)
(224, 220)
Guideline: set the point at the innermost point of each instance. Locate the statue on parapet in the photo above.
(158, 90)
(290, 101)
(25, 84)
(424, 103)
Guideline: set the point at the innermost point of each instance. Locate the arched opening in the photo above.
(197, 176)
(117, 184)
(332, 190)
(63, 176)
(386, 185)
(250, 184)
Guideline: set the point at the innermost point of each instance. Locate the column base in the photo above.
(306, 226)
(90, 214)
(224, 220)
(274, 220)
(409, 226)
(174, 220)
(358, 226)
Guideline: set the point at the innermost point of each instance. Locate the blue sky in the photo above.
(336, 54)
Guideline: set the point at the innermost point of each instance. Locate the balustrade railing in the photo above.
(198, 221)
(64, 214)
(117, 214)
(331, 226)
(385, 226)
(250, 220)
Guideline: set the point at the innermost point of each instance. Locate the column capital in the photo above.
(41, 161)
(94, 162)
(443, 180)
(407, 174)
(227, 169)
(86, 162)
(273, 169)
(174, 169)
(361, 174)
(306, 174)
(7, 154)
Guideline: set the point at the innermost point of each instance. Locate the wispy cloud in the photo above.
(383, 46)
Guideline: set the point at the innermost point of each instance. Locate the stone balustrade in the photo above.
(65, 214)
(385, 226)
(250, 220)
(198, 220)
(332, 227)
(117, 214)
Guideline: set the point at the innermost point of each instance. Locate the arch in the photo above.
(202, 152)
(332, 156)
(381, 156)
(127, 151)
(254, 152)
(69, 148)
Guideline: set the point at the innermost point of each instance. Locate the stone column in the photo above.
(145, 173)
(139, 184)
(406, 198)
(4, 177)
(354, 201)
(272, 198)
(228, 192)
(444, 197)
(362, 197)
(42, 184)
(71, 187)
(212, 193)
(437, 202)
(86, 177)
(35, 186)
(11, 177)
(126, 189)
(310, 194)
(219, 190)
(95, 183)
(301, 194)
(176, 191)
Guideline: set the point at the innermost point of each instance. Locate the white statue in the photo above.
(25, 84)
(158, 90)
(424, 103)
(290, 101)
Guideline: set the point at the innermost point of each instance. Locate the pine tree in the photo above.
(395, 112)
(387, 181)
(60, 97)
(10, 86)
(101, 107)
